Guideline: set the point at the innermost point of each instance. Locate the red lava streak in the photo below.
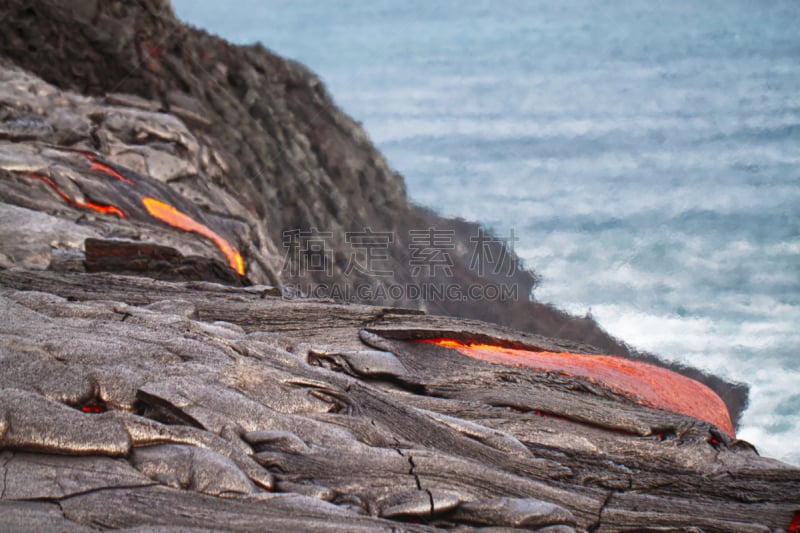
(651, 385)
(99, 166)
(105, 209)
(156, 208)
(168, 214)
(106, 169)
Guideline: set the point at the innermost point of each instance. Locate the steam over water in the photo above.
(646, 154)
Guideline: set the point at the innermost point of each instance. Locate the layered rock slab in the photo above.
(185, 398)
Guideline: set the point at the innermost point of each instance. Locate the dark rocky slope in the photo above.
(145, 384)
(279, 146)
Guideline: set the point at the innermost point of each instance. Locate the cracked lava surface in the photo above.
(648, 384)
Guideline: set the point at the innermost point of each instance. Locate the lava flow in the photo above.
(651, 385)
(100, 208)
(98, 166)
(141, 191)
(795, 525)
(170, 215)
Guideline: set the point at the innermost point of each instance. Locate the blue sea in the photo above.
(646, 154)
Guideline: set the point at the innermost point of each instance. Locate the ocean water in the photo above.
(646, 154)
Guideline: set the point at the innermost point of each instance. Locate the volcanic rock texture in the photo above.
(255, 141)
(291, 157)
(131, 402)
(153, 374)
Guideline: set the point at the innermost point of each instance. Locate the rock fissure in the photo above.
(5, 475)
(99, 490)
(412, 471)
(598, 524)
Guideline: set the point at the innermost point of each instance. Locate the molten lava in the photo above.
(155, 208)
(651, 385)
(105, 209)
(94, 409)
(170, 215)
(795, 525)
(97, 166)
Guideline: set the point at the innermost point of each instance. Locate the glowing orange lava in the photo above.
(105, 209)
(106, 169)
(98, 166)
(652, 385)
(170, 215)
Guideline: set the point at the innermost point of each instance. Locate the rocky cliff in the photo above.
(156, 371)
(271, 138)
